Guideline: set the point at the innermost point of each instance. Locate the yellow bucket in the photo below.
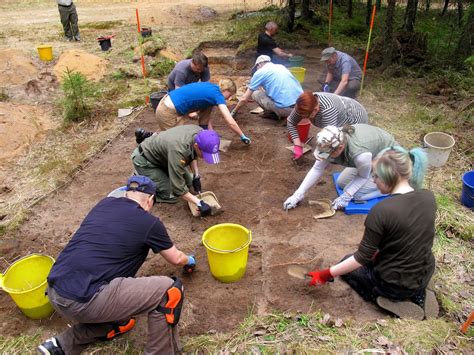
(298, 73)
(25, 282)
(227, 247)
(45, 52)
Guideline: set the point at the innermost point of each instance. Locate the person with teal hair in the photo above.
(394, 262)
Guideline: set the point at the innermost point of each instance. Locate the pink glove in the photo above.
(320, 277)
(297, 152)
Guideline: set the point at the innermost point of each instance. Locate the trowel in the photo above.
(298, 272)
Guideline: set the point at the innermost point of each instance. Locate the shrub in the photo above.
(77, 93)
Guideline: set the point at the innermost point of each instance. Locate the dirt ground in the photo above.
(251, 183)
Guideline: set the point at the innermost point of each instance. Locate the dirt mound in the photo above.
(16, 67)
(92, 66)
(19, 126)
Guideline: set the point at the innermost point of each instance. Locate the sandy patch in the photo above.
(19, 126)
(16, 67)
(92, 66)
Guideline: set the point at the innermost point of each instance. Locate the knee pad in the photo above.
(173, 302)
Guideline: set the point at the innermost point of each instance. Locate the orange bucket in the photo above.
(303, 130)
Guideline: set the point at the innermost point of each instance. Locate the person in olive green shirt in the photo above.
(353, 147)
(169, 158)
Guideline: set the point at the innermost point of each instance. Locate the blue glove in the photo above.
(190, 266)
(326, 87)
(245, 139)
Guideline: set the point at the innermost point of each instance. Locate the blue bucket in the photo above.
(467, 194)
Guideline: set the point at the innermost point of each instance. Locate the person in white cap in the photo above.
(344, 74)
(281, 89)
(353, 147)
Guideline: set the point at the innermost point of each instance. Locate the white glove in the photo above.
(341, 202)
(292, 201)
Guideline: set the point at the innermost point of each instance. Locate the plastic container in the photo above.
(296, 61)
(438, 146)
(227, 247)
(467, 194)
(303, 130)
(105, 43)
(45, 52)
(156, 97)
(25, 282)
(298, 73)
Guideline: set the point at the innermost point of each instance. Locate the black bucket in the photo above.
(146, 32)
(105, 43)
(156, 97)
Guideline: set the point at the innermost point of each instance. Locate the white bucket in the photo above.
(438, 146)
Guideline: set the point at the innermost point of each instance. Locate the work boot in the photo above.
(50, 347)
(119, 329)
(141, 135)
(402, 309)
(270, 115)
(77, 38)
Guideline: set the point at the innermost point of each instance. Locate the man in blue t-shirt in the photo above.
(93, 281)
(344, 74)
(281, 88)
(196, 101)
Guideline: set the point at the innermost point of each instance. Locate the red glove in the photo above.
(297, 152)
(320, 277)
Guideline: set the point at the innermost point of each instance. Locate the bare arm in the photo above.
(342, 85)
(229, 119)
(174, 256)
(345, 267)
(280, 52)
(329, 77)
(189, 197)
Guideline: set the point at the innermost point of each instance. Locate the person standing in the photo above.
(69, 20)
(93, 282)
(344, 74)
(281, 89)
(323, 109)
(266, 45)
(394, 261)
(189, 71)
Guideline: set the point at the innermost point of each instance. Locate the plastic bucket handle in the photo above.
(246, 244)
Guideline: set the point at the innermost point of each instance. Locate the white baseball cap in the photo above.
(327, 141)
(262, 59)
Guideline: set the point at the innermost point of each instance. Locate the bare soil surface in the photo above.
(251, 183)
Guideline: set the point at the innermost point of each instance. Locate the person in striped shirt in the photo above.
(323, 109)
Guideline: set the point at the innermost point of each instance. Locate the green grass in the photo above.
(102, 25)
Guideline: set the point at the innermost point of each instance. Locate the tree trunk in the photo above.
(290, 14)
(465, 45)
(378, 4)
(460, 12)
(369, 12)
(388, 34)
(427, 5)
(305, 12)
(349, 8)
(446, 4)
(410, 16)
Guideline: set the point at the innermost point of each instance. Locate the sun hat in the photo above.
(327, 141)
(327, 53)
(141, 184)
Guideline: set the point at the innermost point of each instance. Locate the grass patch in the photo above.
(102, 25)
(4, 95)
(161, 67)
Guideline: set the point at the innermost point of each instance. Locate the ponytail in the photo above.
(396, 162)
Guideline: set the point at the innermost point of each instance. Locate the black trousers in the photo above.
(369, 286)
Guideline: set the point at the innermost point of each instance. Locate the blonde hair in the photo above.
(229, 85)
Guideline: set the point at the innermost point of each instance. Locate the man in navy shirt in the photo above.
(93, 281)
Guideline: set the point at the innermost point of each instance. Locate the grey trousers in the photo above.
(116, 302)
(68, 15)
(366, 192)
(265, 102)
(352, 89)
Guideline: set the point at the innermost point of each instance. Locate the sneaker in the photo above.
(270, 115)
(431, 306)
(119, 329)
(141, 135)
(69, 39)
(77, 38)
(50, 347)
(402, 309)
